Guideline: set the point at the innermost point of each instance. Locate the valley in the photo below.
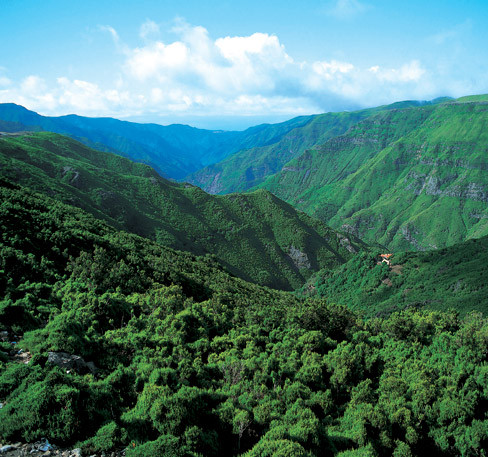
(331, 299)
(256, 236)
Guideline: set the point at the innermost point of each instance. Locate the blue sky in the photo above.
(229, 64)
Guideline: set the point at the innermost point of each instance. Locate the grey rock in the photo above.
(71, 362)
(345, 242)
(299, 258)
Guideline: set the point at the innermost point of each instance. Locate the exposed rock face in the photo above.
(71, 362)
(408, 234)
(299, 258)
(346, 243)
(432, 185)
(216, 186)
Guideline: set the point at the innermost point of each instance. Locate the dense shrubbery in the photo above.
(454, 277)
(192, 361)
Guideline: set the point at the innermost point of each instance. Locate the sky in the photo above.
(229, 65)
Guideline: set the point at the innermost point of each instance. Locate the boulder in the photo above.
(71, 362)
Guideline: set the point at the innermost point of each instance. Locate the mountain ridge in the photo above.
(248, 168)
(256, 236)
(173, 150)
(402, 191)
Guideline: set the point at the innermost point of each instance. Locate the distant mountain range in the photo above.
(174, 150)
(249, 167)
(409, 176)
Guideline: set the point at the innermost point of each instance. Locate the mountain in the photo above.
(112, 343)
(174, 150)
(412, 178)
(256, 236)
(249, 167)
(455, 277)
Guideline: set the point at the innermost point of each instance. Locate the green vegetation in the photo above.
(174, 150)
(451, 278)
(255, 236)
(250, 167)
(473, 98)
(408, 179)
(194, 362)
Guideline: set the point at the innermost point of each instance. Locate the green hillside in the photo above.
(174, 357)
(409, 179)
(250, 167)
(473, 98)
(255, 236)
(454, 277)
(173, 150)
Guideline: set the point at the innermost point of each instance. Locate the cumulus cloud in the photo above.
(66, 96)
(195, 74)
(409, 72)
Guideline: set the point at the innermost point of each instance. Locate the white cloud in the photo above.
(195, 74)
(157, 60)
(113, 33)
(225, 65)
(4, 81)
(33, 85)
(332, 69)
(149, 29)
(409, 72)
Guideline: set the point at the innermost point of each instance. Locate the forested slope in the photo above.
(256, 236)
(192, 362)
(455, 277)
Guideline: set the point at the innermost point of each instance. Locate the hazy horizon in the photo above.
(229, 66)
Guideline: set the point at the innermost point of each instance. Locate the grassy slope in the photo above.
(252, 235)
(173, 150)
(453, 277)
(410, 179)
(250, 167)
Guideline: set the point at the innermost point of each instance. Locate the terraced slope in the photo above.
(255, 236)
